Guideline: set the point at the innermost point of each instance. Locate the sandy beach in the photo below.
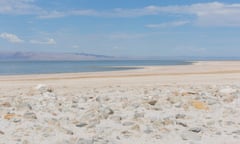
(195, 104)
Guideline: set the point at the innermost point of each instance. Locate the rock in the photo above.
(138, 115)
(196, 130)
(1, 132)
(152, 102)
(187, 93)
(116, 118)
(182, 124)
(136, 127)
(85, 141)
(180, 116)
(6, 104)
(229, 99)
(41, 87)
(211, 101)
(199, 105)
(128, 123)
(148, 130)
(227, 90)
(66, 131)
(188, 135)
(30, 115)
(106, 112)
(81, 124)
(167, 121)
(210, 123)
(10, 116)
(174, 99)
(236, 132)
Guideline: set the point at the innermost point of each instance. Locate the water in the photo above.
(47, 67)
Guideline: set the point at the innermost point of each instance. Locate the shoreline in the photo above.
(196, 68)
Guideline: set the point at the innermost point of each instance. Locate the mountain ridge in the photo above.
(52, 56)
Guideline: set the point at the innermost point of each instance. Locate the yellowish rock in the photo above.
(9, 116)
(199, 105)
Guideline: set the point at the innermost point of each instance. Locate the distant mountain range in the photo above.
(51, 56)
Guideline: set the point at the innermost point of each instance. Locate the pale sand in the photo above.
(123, 88)
(209, 72)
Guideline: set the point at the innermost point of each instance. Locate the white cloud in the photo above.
(11, 38)
(19, 7)
(202, 14)
(168, 24)
(47, 42)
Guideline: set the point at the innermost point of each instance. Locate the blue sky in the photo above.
(122, 28)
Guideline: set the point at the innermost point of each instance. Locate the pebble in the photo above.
(196, 130)
(106, 112)
(6, 104)
(1, 132)
(180, 116)
(199, 105)
(236, 132)
(85, 141)
(122, 116)
(188, 135)
(127, 123)
(182, 124)
(81, 125)
(152, 102)
(30, 115)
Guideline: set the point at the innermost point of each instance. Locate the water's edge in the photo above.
(58, 67)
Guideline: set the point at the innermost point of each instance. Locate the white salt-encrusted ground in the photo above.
(122, 110)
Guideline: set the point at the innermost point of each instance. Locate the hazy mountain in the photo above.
(51, 56)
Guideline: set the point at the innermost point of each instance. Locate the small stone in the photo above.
(152, 102)
(106, 112)
(30, 115)
(85, 141)
(9, 116)
(180, 116)
(211, 101)
(16, 120)
(182, 124)
(167, 122)
(199, 105)
(138, 114)
(196, 130)
(116, 118)
(210, 123)
(41, 87)
(174, 99)
(81, 125)
(6, 104)
(188, 135)
(229, 123)
(1, 132)
(128, 123)
(136, 128)
(148, 131)
(236, 132)
(69, 132)
(227, 90)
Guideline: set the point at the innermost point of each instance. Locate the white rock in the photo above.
(188, 135)
(227, 90)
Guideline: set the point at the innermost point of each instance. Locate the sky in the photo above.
(137, 28)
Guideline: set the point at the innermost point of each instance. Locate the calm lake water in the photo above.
(47, 67)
